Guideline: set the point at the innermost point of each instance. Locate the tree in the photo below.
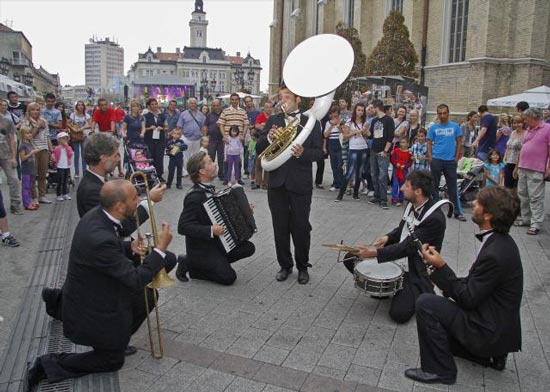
(394, 54)
(358, 69)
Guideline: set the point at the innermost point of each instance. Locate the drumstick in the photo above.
(350, 258)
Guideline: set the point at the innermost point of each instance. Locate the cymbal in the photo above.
(341, 248)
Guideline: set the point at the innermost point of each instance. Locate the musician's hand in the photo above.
(432, 256)
(380, 242)
(217, 230)
(297, 150)
(138, 248)
(157, 192)
(251, 207)
(366, 251)
(164, 237)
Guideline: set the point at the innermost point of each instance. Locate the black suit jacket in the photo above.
(295, 174)
(431, 231)
(490, 296)
(101, 284)
(196, 226)
(87, 198)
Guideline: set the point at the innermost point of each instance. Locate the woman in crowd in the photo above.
(503, 133)
(401, 126)
(355, 131)
(331, 134)
(413, 126)
(468, 129)
(133, 124)
(513, 147)
(41, 141)
(204, 110)
(79, 127)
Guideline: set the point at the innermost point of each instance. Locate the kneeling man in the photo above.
(478, 318)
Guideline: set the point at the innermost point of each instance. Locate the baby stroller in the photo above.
(51, 179)
(470, 178)
(137, 158)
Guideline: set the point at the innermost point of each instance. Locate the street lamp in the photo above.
(28, 78)
(239, 77)
(213, 85)
(4, 66)
(251, 75)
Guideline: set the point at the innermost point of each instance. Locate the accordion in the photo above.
(230, 208)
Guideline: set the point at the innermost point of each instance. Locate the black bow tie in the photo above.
(294, 114)
(118, 228)
(480, 236)
(210, 188)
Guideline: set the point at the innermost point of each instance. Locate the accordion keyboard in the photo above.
(217, 218)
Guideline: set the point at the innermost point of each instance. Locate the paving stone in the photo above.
(349, 335)
(191, 336)
(273, 388)
(363, 375)
(285, 338)
(271, 355)
(135, 380)
(245, 385)
(281, 376)
(180, 377)
(337, 357)
(219, 341)
(315, 383)
(393, 377)
(157, 366)
(235, 365)
(301, 359)
(211, 381)
(329, 372)
(404, 354)
(469, 373)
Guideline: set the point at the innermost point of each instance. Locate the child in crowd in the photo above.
(63, 155)
(174, 149)
(401, 160)
(419, 151)
(205, 142)
(251, 159)
(494, 169)
(233, 152)
(28, 171)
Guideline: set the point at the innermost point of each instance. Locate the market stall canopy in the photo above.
(538, 97)
(23, 91)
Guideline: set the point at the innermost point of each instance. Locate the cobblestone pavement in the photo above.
(263, 335)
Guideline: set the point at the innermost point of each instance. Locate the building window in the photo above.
(396, 5)
(458, 30)
(350, 6)
(204, 60)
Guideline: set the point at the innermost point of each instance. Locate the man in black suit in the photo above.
(103, 297)
(399, 243)
(478, 317)
(206, 258)
(290, 188)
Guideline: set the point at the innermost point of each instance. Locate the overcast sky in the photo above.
(58, 30)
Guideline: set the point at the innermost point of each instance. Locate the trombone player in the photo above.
(103, 301)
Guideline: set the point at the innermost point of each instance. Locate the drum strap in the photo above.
(411, 222)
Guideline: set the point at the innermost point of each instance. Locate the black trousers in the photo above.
(175, 162)
(320, 171)
(216, 149)
(156, 149)
(69, 365)
(217, 267)
(62, 181)
(437, 320)
(403, 303)
(290, 217)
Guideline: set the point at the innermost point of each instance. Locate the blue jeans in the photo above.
(448, 169)
(335, 154)
(396, 193)
(78, 149)
(379, 173)
(355, 164)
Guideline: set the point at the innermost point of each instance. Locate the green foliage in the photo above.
(352, 36)
(394, 54)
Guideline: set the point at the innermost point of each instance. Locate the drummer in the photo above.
(428, 227)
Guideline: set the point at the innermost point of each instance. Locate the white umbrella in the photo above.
(538, 97)
(241, 95)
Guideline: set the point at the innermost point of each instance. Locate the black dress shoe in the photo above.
(428, 378)
(34, 374)
(283, 274)
(303, 277)
(181, 271)
(130, 350)
(498, 363)
(51, 299)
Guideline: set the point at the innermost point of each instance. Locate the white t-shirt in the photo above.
(63, 160)
(356, 142)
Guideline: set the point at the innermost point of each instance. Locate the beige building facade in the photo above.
(469, 50)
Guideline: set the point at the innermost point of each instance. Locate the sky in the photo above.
(58, 30)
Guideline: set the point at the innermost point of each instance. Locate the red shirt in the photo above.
(261, 119)
(103, 119)
(119, 114)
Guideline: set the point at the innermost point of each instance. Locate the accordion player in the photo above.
(230, 208)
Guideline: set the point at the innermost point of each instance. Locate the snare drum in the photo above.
(378, 280)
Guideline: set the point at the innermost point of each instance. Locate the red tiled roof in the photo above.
(167, 56)
(235, 59)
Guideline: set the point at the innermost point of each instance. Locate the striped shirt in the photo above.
(231, 116)
(40, 141)
(420, 151)
(334, 131)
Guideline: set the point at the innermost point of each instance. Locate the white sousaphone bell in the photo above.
(309, 72)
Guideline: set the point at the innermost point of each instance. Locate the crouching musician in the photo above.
(210, 247)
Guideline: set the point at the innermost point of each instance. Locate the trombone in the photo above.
(161, 279)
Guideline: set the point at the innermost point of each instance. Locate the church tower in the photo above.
(197, 26)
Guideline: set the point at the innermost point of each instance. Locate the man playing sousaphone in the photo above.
(427, 226)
